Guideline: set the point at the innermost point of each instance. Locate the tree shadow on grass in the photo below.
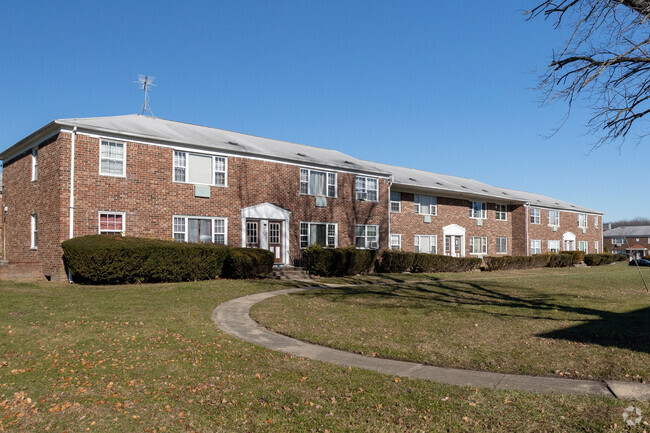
(626, 330)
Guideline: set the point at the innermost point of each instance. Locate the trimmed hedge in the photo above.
(502, 263)
(578, 256)
(395, 262)
(436, 263)
(106, 259)
(338, 262)
(619, 257)
(248, 263)
(599, 259)
(560, 260)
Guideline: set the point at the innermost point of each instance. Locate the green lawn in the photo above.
(147, 358)
(588, 323)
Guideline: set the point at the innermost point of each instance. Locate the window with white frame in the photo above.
(34, 231)
(596, 247)
(621, 240)
(553, 217)
(200, 168)
(366, 236)
(477, 209)
(501, 212)
(366, 188)
(395, 201)
(582, 221)
(426, 244)
(323, 234)
(582, 246)
(200, 229)
(112, 158)
(316, 182)
(395, 242)
(478, 245)
(502, 245)
(425, 204)
(111, 223)
(535, 247)
(596, 222)
(35, 164)
(535, 215)
(553, 246)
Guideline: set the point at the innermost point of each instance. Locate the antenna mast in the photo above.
(144, 82)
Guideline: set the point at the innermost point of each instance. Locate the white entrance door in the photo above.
(452, 245)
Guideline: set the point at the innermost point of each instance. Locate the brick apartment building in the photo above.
(633, 241)
(150, 177)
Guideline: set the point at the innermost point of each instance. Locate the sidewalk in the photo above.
(233, 318)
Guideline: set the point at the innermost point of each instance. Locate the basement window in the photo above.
(111, 223)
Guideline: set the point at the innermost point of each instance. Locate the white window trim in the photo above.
(549, 248)
(433, 241)
(35, 164)
(586, 221)
(399, 203)
(417, 206)
(471, 245)
(585, 243)
(357, 192)
(497, 212)
(214, 233)
(365, 236)
(107, 212)
(535, 219)
(123, 159)
(497, 244)
(483, 212)
(539, 242)
(596, 247)
(399, 244)
(212, 171)
(33, 231)
(309, 223)
(557, 212)
(596, 222)
(327, 173)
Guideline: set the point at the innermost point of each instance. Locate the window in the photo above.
(366, 188)
(425, 205)
(477, 209)
(554, 217)
(112, 158)
(596, 222)
(535, 247)
(478, 245)
(582, 246)
(395, 202)
(553, 246)
(201, 169)
(501, 212)
(535, 215)
(395, 242)
(35, 164)
(200, 229)
(596, 247)
(34, 237)
(620, 240)
(582, 221)
(366, 236)
(111, 223)
(502, 245)
(319, 183)
(324, 234)
(426, 244)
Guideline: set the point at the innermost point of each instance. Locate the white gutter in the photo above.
(74, 134)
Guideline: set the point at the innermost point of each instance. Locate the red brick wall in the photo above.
(643, 241)
(450, 211)
(568, 223)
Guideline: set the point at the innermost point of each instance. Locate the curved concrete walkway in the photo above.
(233, 318)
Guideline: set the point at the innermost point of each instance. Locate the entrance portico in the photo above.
(266, 226)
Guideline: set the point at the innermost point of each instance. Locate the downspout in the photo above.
(526, 208)
(74, 135)
(390, 184)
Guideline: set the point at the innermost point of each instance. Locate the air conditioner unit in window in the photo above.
(479, 222)
(373, 245)
(362, 196)
(554, 228)
(427, 218)
(584, 231)
(321, 202)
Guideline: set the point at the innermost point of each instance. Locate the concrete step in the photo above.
(289, 273)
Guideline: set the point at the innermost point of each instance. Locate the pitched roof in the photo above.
(628, 231)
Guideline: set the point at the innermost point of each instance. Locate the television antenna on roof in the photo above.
(144, 82)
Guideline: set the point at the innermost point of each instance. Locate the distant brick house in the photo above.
(151, 177)
(633, 241)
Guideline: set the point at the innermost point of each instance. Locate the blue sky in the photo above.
(441, 86)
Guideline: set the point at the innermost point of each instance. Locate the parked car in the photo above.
(640, 262)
